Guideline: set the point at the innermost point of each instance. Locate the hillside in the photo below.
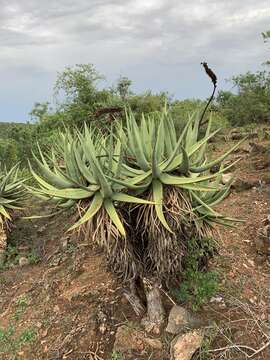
(66, 305)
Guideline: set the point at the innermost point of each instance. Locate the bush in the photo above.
(251, 103)
(197, 286)
(8, 152)
(181, 110)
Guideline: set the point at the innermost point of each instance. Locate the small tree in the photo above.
(77, 94)
(39, 111)
(123, 87)
(78, 84)
(250, 103)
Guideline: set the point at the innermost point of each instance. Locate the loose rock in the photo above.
(153, 343)
(226, 178)
(127, 339)
(239, 184)
(262, 241)
(184, 346)
(23, 261)
(257, 148)
(237, 136)
(151, 327)
(180, 319)
(243, 149)
(219, 301)
(245, 184)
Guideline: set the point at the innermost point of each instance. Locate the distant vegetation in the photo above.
(16, 142)
(80, 98)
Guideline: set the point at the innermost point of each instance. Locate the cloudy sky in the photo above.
(159, 44)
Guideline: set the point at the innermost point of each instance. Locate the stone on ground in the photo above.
(180, 319)
(184, 346)
(128, 339)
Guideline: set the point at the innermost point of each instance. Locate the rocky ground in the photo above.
(58, 301)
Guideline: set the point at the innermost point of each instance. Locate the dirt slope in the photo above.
(67, 306)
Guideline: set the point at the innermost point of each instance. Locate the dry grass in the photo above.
(228, 339)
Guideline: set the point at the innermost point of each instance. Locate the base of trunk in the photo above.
(155, 310)
(149, 292)
(134, 299)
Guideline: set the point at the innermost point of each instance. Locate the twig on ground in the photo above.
(168, 296)
(260, 350)
(234, 346)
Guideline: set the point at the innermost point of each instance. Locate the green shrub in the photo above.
(8, 152)
(251, 102)
(197, 286)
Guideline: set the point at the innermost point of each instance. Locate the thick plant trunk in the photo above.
(155, 310)
(3, 245)
(134, 299)
(155, 313)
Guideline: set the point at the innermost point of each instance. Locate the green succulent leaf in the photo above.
(158, 199)
(111, 211)
(130, 199)
(94, 207)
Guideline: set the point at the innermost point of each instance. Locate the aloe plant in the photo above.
(85, 177)
(141, 192)
(12, 196)
(157, 159)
